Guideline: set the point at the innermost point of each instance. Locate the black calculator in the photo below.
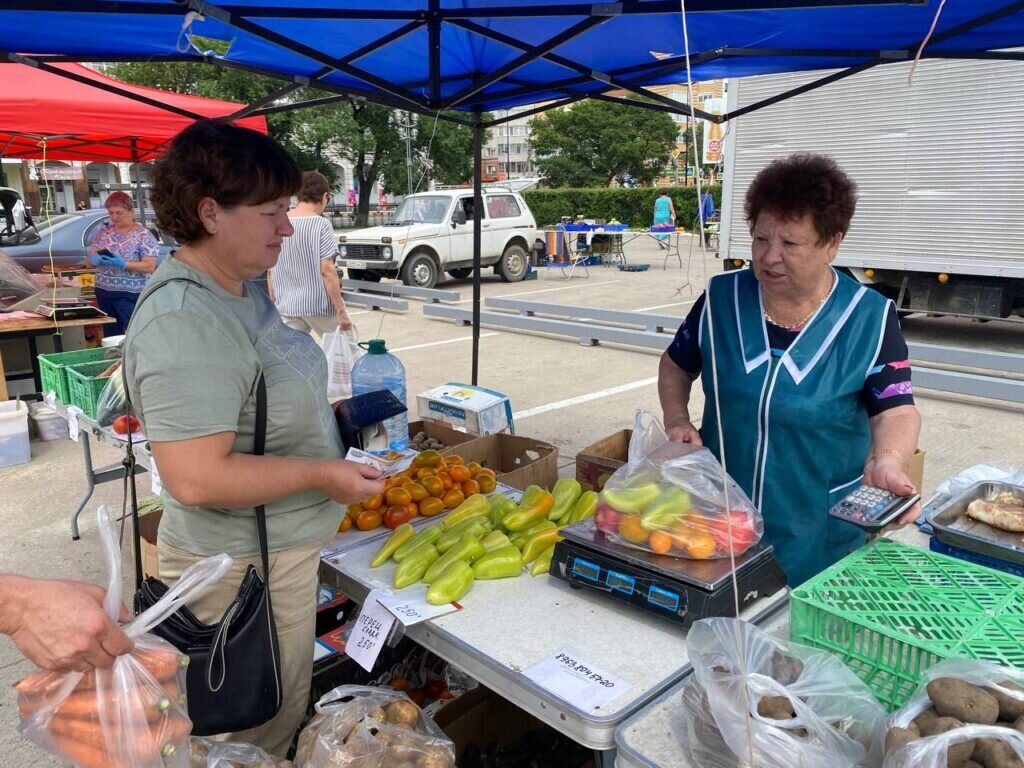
(872, 508)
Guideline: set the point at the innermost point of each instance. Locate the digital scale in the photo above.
(678, 589)
(68, 309)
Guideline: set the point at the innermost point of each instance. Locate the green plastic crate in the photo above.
(891, 611)
(53, 369)
(85, 385)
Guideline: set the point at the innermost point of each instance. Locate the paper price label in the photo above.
(370, 633)
(154, 474)
(73, 427)
(574, 680)
(413, 608)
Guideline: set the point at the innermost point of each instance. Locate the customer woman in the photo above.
(304, 284)
(130, 258)
(812, 370)
(664, 213)
(194, 353)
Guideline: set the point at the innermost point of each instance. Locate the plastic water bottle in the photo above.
(377, 370)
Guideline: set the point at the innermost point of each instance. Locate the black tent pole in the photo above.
(478, 132)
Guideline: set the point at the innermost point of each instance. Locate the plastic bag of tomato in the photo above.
(433, 484)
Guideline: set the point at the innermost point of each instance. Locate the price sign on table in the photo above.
(411, 606)
(570, 678)
(370, 633)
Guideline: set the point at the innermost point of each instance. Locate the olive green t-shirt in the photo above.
(192, 359)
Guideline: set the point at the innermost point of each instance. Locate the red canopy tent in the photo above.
(84, 115)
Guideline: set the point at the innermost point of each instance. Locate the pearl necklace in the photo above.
(797, 326)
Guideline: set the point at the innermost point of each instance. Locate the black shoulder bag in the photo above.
(233, 681)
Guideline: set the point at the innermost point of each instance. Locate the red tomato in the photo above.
(607, 519)
(122, 424)
(395, 516)
(743, 533)
(435, 688)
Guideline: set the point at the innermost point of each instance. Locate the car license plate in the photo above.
(353, 264)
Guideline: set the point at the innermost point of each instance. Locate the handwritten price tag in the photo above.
(73, 429)
(576, 681)
(371, 632)
(413, 608)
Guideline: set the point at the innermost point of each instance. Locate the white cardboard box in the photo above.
(476, 410)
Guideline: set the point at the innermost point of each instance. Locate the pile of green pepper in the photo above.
(485, 538)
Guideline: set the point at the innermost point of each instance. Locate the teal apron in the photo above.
(796, 430)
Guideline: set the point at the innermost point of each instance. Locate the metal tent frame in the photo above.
(504, 86)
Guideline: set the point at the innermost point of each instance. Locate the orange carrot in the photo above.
(86, 704)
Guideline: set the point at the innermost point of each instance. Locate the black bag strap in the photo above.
(259, 446)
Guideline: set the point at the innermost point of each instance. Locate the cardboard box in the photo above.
(483, 718)
(517, 461)
(477, 410)
(149, 525)
(596, 463)
(450, 437)
(915, 470)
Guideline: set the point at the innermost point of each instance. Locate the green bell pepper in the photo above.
(398, 537)
(415, 564)
(532, 509)
(584, 508)
(567, 492)
(453, 583)
(468, 549)
(504, 563)
(478, 526)
(671, 506)
(538, 542)
(631, 500)
(520, 538)
(476, 505)
(428, 535)
(495, 539)
(501, 506)
(543, 562)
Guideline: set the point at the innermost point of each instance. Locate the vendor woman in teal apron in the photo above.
(812, 370)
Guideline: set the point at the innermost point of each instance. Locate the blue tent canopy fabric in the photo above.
(429, 55)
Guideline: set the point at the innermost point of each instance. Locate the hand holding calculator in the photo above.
(872, 509)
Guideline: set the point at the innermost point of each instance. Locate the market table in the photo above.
(31, 328)
(507, 626)
(653, 737)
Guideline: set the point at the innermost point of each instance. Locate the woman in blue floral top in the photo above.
(129, 258)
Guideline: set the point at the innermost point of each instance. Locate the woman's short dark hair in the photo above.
(314, 186)
(802, 184)
(232, 165)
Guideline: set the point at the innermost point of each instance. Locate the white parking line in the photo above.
(542, 290)
(583, 398)
(662, 306)
(445, 341)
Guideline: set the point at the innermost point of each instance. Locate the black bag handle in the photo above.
(259, 446)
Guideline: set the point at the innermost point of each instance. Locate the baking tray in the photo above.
(951, 525)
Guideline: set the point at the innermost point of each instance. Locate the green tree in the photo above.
(593, 143)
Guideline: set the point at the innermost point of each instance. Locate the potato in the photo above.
(971, 764)
(378, 714)
(925, 722)
(775, 708)
(1018, 724)
(403, 712)
(786, 669)
(981, 746)
(999, 754)
(964, 701)
(1010, 708)
(960, 753)
(897, 737)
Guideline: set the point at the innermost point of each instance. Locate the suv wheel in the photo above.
(513, 264)
(420, 271)
(461, 273)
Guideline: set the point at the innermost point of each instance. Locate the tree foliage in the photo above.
(594, 142)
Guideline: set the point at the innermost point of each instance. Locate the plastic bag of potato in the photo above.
(226, 754)
(776, 705)
(359, 727)
(965, 714)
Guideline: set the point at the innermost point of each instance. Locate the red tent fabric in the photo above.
(82, 122)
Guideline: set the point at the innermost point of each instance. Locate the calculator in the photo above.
(872, 508)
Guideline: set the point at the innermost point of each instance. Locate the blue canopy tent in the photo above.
(472, 56)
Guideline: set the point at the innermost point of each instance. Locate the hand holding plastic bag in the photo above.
(134, 714)
(963, 710)
(779, 704)
(674, 499)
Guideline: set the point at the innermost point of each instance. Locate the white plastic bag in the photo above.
(134, 714)
(227, 754)
(931, 751)
(836, 722)
(341, 349)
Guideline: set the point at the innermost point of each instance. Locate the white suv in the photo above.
(432, 232)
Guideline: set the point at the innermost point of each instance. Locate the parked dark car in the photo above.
(71, 234)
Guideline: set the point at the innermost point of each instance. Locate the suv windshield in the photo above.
(430, 209)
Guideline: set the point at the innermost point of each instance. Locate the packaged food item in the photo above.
(754, 700)
(675, 499)
(360, 727)
(130, 716)
(965, 714)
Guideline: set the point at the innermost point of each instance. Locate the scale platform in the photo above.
(678, 589)
(68, 309)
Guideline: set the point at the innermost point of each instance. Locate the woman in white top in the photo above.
(304, 285)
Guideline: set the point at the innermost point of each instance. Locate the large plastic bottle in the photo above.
(376, 370)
